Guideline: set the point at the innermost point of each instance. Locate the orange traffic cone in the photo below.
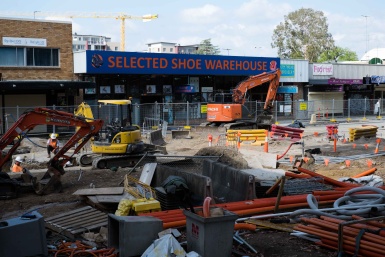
(347, 162)
(291, 158)
(326, 162)
(370, 163)
(354, 146)
(366, 146)
(316, 134)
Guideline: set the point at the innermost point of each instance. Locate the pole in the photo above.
(54, 127)
(188, 115)
(333, 120)
(349, 119)
(276, 112)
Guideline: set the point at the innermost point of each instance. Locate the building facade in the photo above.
(93, 42)
(36, 65)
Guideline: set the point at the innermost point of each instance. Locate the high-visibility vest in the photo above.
(53, 143)
(17, 168)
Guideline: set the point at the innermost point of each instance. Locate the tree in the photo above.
(303, 35)
(338, 54)
(206, 47)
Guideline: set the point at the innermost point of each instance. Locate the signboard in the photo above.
(112, 62)
(21, 41)
(287, 70)
(302, 106)
(377, 79)
(185, 89)
(323, 69)
(344, 81)
(203, 108)
(287, 90)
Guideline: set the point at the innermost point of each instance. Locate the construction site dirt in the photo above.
(267, 242)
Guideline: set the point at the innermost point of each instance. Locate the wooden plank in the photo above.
(77, 221)
(100, 191)
(74, 212)
(109, 198)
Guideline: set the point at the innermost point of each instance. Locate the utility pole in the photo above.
(34, 12)
(366, 32)
(228, 50)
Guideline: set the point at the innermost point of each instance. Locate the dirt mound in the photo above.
(229, 156)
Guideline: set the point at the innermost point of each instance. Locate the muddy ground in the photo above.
(267, 242)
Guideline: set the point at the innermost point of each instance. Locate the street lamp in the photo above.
(366, 33)
(34, 12)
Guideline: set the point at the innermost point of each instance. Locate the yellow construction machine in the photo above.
(119, 144)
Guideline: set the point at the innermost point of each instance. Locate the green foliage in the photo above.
(338, 54)
(206, 47)
(303, 35)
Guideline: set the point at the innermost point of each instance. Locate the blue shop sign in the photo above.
(288, 90)
(287, 70)
(111, 62)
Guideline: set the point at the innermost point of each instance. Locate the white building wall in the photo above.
(350, 71)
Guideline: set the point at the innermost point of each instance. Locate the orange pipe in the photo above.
(206, 207)
(327, 179)
(295, 175)
(245, 226)
(333, 244)
(175, 224)
(365, 173)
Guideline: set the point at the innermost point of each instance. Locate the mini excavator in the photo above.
(120, 144)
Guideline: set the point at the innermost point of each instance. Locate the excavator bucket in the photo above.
(265, 120)
(50, 182)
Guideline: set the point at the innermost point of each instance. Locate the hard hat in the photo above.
(53, 136)
(19, 159)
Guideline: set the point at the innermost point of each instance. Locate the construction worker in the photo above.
(16, 167)
(52, 145)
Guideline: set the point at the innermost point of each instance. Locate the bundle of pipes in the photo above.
(347, 237)
(280, 132)
(246, 135)
(364, 131)
(176, 218)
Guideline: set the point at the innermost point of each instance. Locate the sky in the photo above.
(238, 28)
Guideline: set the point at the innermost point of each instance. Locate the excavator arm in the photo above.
(43, 116)
(239, 93)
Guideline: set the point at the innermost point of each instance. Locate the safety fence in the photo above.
(157, 115)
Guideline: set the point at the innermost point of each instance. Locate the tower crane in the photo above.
(118, 16)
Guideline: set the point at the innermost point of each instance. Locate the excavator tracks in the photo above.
(108, 162)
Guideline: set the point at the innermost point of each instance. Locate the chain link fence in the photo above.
(163, 115)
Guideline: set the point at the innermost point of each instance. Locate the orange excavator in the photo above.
(229, 110)
(87, 129)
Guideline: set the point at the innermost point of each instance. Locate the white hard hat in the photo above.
(19, 159)
(53, 136)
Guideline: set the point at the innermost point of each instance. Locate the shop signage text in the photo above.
(344, 81)
(322, 69)
(157, 63)
(288, 70)
(21, 41)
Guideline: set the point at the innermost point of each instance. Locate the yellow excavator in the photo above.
(119, 144)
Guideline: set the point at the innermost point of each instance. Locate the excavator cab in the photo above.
(121, 137)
